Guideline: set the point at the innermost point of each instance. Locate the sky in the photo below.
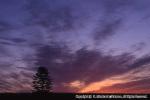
(88, 46)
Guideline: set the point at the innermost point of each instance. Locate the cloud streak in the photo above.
(107, 29)
(83, 62)
(68, 37)
(138, 74)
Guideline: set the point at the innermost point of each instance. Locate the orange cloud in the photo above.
(95, 86)
(133, 75)
(113, 89)
(75, 84)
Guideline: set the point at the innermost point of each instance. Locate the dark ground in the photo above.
(72, 96)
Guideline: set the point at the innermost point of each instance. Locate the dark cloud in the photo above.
(4, 26)
(112, 18)
(50, 17)
(40, 20)
(106, 29)
(80, 65)
(5, 43)
(27, 68)
(84, 64)
(4, 87)
(18, 40)
(113, 7)
(129, 87)
(14, 40)
(47, 54)
(139, 46)
(21, 82)
(140, 62)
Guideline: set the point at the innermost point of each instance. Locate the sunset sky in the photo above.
(96, 46)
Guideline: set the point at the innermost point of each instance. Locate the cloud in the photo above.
(13, 40)
(4, 26)
(22, 84)
(75, 84)
(29, 40)
(83, 65)
(129, 87)
(138, 74)
(55, 19)
(106, 29)
(112, 7)
(111, 20)
(114, 16)
(140, 62)
(139, 46)
(95, 86)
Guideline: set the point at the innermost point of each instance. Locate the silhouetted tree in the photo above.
(42, 83)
